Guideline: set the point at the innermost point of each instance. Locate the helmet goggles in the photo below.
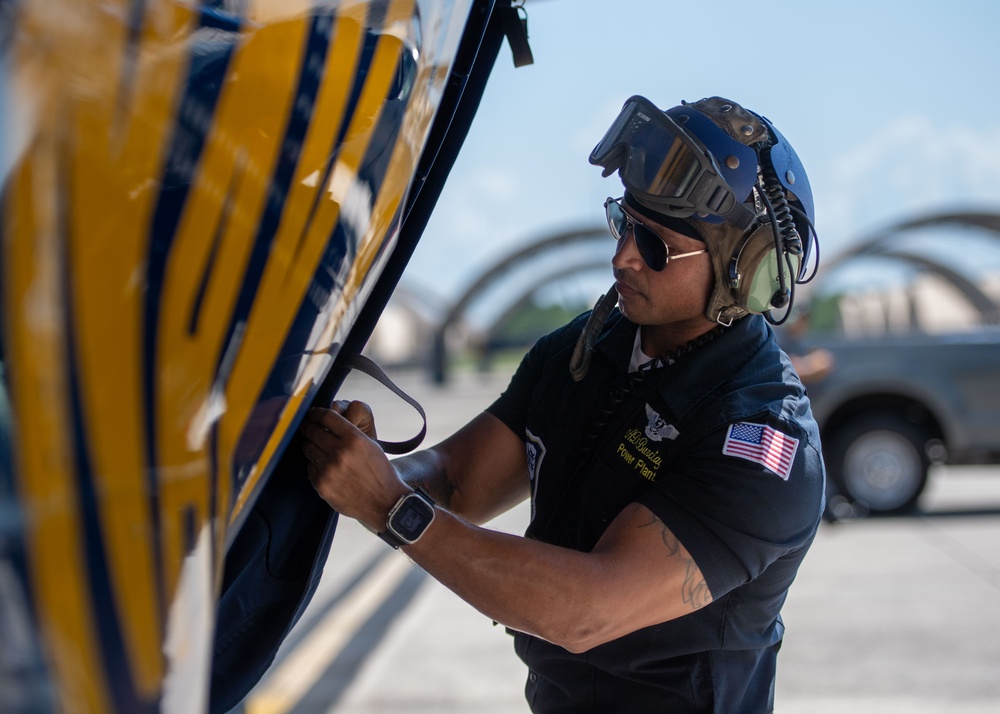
(666, 167)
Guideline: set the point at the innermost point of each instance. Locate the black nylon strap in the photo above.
(367, 366)
(515, 26)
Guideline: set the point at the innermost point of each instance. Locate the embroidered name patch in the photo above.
(763, 445)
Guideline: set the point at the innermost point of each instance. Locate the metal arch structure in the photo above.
(526, 296)
(520, 257)
(421, 304)
(420, 311)
(987, 221)
(873, 245)
(976, 219)
(987, 308)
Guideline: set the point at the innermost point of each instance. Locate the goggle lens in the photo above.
(668, 167)
(656, 156)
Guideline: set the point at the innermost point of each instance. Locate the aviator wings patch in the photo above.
(657, 428)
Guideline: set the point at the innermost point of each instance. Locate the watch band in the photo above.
(391, 537)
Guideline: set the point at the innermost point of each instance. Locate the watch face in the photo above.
(411, 518)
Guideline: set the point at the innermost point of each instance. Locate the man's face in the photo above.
(677, 295)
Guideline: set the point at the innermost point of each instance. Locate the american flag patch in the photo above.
(762, 444)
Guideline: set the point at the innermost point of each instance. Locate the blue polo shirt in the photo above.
(722, 447)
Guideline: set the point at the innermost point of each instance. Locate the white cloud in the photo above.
(911, 167)
(475, 222)
(586, 134)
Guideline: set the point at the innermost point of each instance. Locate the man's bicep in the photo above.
(656, 572)
(486, 468)
(733, 509)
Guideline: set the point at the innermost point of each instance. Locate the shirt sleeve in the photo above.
(512, 405)
(733, 514)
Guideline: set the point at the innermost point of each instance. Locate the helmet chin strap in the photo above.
(579, 363)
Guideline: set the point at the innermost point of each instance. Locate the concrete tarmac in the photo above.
(887, 616)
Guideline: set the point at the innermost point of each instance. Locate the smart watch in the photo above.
(408, 519)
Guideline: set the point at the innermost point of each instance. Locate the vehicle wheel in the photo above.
(879, 460)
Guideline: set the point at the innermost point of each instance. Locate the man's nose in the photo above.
(627, 252)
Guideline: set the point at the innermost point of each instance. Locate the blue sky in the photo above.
(892, 106)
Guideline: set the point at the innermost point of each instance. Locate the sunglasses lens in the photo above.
(617, 220)
(651, 248)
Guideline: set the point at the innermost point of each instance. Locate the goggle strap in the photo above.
(740, 216)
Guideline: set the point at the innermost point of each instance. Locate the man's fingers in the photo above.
(331, 421)
(313, 453)
(345, 419)
(358, 413)
(316, 434)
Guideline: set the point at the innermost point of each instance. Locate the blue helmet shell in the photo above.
(791, 173)
(741, 174)
(740, 179)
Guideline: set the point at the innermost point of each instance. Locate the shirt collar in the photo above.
(695, 375)
(640, 360)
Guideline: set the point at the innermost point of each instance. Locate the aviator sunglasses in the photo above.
(654, 251)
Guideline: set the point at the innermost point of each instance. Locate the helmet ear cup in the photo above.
(754, 273)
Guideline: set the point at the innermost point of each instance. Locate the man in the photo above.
(667, 446)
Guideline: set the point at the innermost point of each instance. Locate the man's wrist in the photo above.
(408, 519)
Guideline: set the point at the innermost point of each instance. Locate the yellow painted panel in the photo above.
(399, 173)
(284, 283)
(32, 261)
(75, 240)
(113, 179)
(224, 206)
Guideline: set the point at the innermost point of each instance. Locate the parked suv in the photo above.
(908, 324)
(891, 406)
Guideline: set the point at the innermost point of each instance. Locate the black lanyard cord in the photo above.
(616, 397)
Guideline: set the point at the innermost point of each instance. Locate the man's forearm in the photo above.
(524, 584)
(477, 477)
(427, 470)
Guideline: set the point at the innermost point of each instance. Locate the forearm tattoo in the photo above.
(440, 489)
(694, 590)
(423, 470)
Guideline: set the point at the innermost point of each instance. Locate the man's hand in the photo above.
(359, 414)
(348, 470)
